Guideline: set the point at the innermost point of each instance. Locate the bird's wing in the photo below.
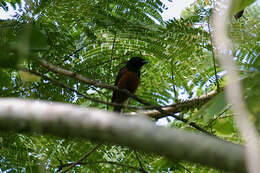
(119, 74)
(118, 77)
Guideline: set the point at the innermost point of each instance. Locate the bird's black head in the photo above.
(136, 63)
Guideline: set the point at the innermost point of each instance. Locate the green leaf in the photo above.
(8, 56)
(213, 107)
(252, 93)
(29, 77)
(238, 5)
(38, 40)
(224, 126)
(5, 78)
(31, 38)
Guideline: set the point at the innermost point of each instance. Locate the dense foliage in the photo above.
(95, 38)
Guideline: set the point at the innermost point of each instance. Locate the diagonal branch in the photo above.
(179, 107)
(104, 85)
(75, 75)
(109, 162)
(88, 81)
(58, 83)
(82, 158)
(139, 161)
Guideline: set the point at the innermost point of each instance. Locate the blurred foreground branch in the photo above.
(223, 44)
(74, 121)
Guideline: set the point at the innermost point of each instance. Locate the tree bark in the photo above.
(179, 107)
(137, 132)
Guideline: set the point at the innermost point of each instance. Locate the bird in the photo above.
(128, 78)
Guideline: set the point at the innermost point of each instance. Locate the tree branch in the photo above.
(79, 77)
(104, 85)
(67, 120)
(213, 53)
(170, 109)
(178, 107)
(109, 162)
(164, 111)
(82, 158)
(234, 95)
(58, 83)
(140, 162)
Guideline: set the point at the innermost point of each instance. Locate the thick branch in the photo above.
(67, 120)
(234, 90)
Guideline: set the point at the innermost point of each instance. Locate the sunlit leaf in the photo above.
(213, 107)
(29, 77)
(224, 126)
(239, 5)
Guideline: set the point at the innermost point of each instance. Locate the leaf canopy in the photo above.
(95, 38)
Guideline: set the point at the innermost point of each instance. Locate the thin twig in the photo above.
(61, 165)
(90, 65)
(184, 167)
(213, 55)
(111, 59)
(173, 84)
(219, 116)
(113, 47)
(108, 162)
(82, 158)
(180, 106)
(139, 161)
